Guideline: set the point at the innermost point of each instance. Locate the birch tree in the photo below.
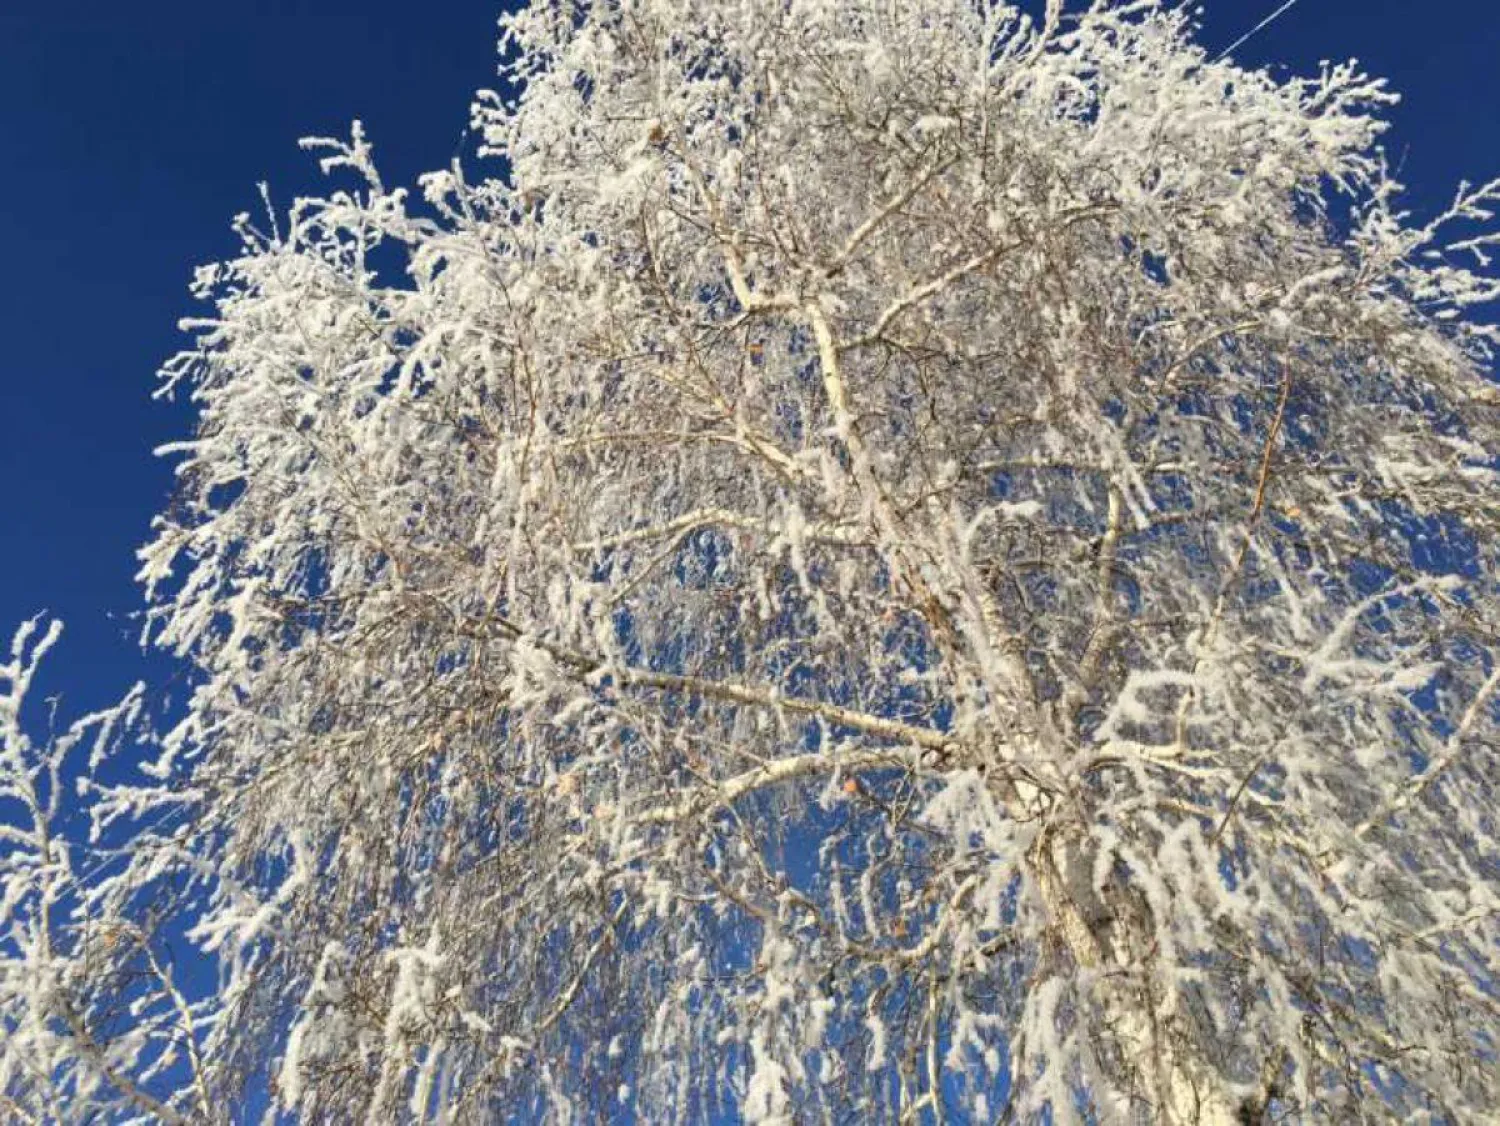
(871, 562)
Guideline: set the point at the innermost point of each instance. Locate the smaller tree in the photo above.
(92, 1020)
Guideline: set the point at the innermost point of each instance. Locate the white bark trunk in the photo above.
(1182, 1087)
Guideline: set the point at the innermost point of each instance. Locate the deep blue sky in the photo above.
(130, 133)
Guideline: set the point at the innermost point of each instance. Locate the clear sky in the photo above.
(130, 133)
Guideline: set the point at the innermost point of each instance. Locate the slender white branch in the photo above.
(1440, 763)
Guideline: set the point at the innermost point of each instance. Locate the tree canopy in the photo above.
(871, 562)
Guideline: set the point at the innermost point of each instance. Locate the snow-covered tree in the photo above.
(875, 562)
(91, 1012)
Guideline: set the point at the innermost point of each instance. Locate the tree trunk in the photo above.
(1169, 1068)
